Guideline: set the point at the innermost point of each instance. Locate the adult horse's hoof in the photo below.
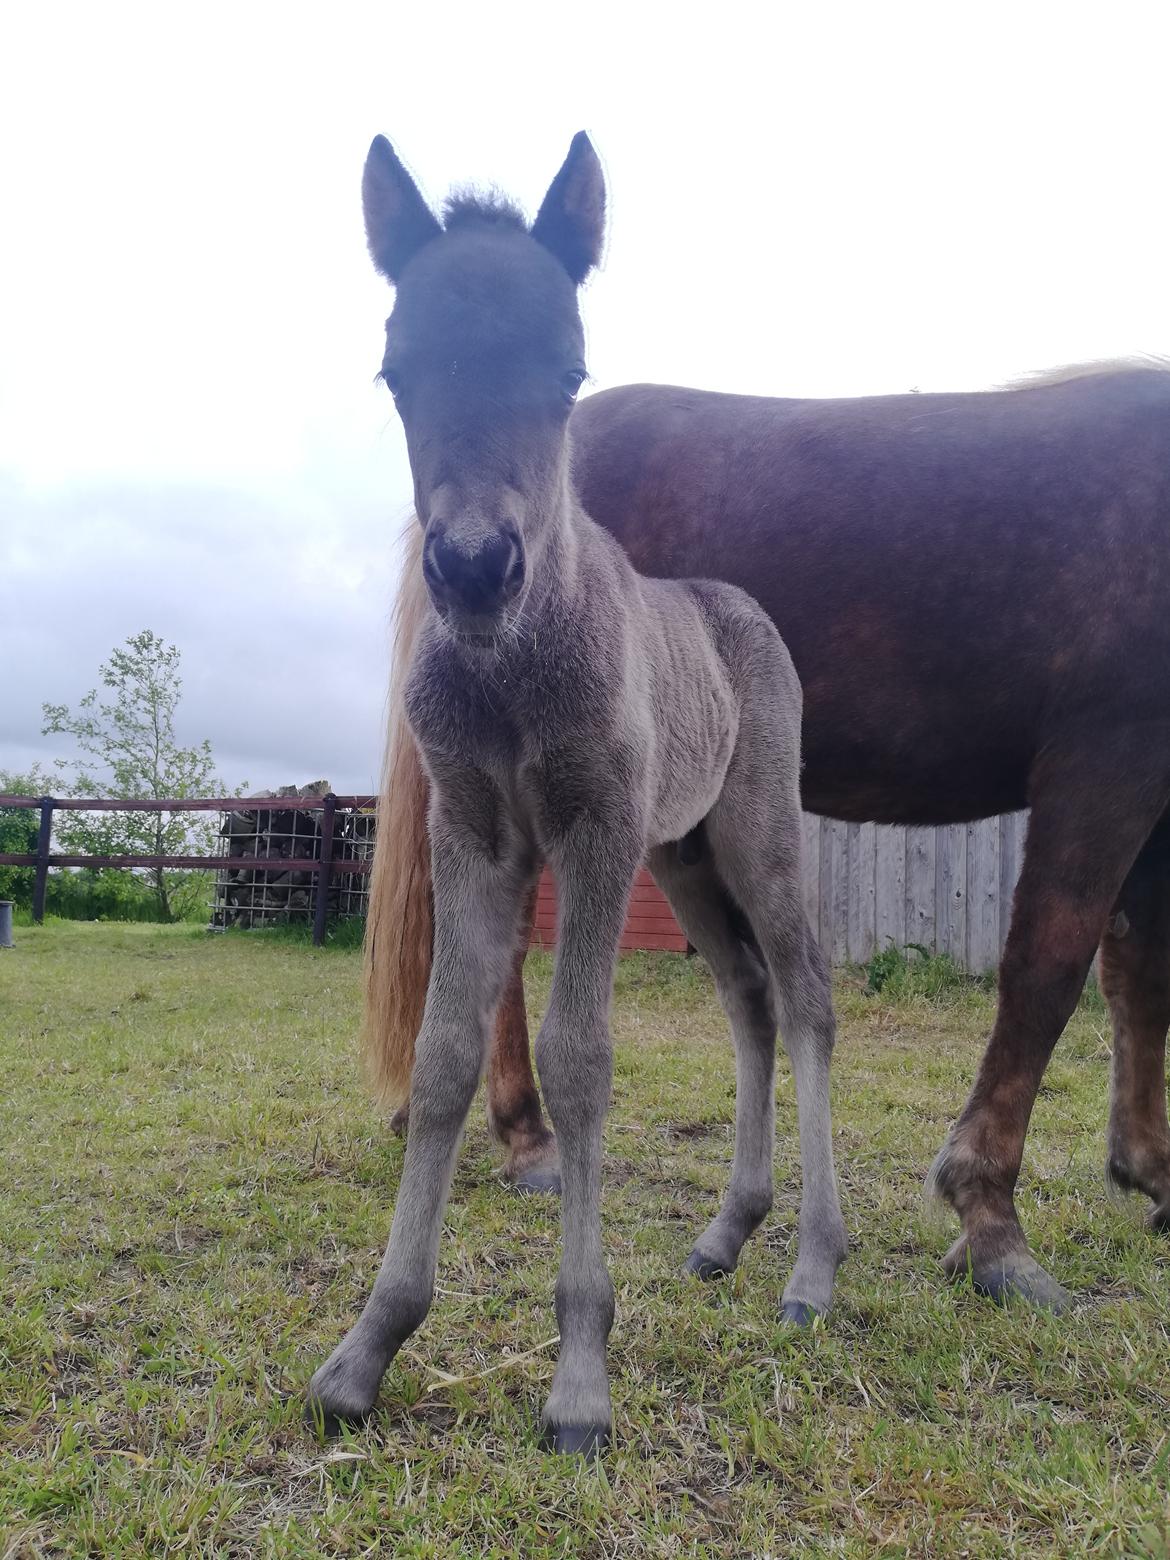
(1017, 1276)
(706, 1268)
(587, 1441)
(1120, 1180)
(533, 1163)
(539, 1180)
(798, 1313)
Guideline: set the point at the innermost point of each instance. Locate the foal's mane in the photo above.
(466, 205)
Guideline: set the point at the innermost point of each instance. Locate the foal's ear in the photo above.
(398, 221)
(571, 219)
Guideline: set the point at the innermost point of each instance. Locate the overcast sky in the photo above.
(805, 200)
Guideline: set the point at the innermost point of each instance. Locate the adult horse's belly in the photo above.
(956, 577)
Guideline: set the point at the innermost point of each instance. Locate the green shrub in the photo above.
(898, 973)
(111, 894)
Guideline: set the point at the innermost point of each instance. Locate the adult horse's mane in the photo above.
(1149, 363)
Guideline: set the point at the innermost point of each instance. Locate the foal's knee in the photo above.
(447, 1064)
(575, 1063)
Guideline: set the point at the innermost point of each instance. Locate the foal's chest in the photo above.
(512, 716)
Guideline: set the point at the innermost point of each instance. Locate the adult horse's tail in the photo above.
(399, 921)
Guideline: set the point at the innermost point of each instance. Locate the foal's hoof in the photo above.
(339, 1394)
(328, 1421)
(798, 1313)
(587, 1441)
(706, 1268)
(1017, 1276)
(400, 1120)
(539, 1180)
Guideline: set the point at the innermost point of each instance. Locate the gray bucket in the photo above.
(5, 923)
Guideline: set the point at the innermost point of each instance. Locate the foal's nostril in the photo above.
(480, 580)
(514, 574)
(432, 561)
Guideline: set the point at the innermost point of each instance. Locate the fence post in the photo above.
(324, 863)
(44, 839)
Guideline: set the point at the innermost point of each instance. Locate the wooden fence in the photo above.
(949, 889)
(322, 865)
(866, 885)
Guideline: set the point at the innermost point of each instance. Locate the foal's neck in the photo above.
(556, 565)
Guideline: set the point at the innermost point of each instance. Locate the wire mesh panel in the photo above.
(354, 841)
(257, 884)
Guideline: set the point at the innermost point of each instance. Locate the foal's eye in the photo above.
(392, 382)
(571, 383)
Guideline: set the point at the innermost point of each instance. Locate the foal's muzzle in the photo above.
(473, 577)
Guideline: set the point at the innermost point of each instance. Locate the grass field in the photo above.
(194, 1197)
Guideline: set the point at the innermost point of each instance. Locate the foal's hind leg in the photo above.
(720, 933)
(479, 888)
(1135, 977)
(1093, 806)
(754, 831)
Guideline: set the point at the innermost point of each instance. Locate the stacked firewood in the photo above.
(254, 889)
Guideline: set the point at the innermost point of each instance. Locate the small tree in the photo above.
(129, 750)
(18, 831)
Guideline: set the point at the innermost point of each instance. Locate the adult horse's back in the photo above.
(976, 593)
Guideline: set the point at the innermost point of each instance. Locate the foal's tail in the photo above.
(399, 922)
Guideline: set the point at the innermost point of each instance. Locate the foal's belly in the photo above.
(696, 726)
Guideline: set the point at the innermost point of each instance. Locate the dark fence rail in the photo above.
(324, 866)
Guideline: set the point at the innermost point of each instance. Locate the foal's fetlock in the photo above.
(717, 1250)
(344, 1390)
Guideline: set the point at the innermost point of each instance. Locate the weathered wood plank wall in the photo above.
(949, 889)
(867, 885)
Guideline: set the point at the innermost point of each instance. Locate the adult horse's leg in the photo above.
(479, 890)
(1093, 805)
(513, 1103)
(1135, 977)
(595, 870)
(721, 934)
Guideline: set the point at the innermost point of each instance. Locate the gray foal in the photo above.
(570, 711)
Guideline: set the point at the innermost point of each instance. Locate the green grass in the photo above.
(194, 1195)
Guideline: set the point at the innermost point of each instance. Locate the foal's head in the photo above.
(484, 358)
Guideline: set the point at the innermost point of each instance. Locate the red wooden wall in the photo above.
(648, 925)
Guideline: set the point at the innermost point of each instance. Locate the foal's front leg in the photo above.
(594, 868)
(479, 890)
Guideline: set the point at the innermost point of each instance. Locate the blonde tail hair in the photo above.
(400, 920)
